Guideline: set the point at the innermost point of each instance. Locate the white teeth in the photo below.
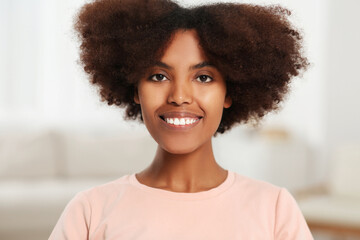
(176, 121)
(180, 121)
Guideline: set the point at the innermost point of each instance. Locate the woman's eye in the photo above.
(158, 77)
(204, 78)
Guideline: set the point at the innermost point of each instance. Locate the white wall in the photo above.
(41, 83)
(342, 75)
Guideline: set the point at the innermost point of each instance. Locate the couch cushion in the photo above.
(331, 210)
(99, 155)
(36, 205)
(345, 177)
(28, 154)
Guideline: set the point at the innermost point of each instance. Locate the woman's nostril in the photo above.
(180, 97)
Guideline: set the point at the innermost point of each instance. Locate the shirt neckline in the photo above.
(185, 196)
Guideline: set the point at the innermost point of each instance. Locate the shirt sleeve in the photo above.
(74, 221)
(290, 224)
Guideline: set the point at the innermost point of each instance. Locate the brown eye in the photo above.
(204, 78)
(158, 77)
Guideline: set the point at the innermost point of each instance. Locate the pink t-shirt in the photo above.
(239, 208)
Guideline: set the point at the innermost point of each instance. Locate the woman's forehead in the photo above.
(184, 49)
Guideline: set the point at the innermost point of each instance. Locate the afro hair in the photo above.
(255, 48)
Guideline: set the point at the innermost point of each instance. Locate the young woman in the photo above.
(187, 74)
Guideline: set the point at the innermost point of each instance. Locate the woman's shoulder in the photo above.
(245, 183)
(260, 192)
(264, 195)
(106, 191)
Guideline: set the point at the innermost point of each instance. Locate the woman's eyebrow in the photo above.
(197, 66)
(201, 65)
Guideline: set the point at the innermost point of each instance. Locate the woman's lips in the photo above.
(180, 120)
(180, 115)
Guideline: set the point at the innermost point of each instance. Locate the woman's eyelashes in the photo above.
(158, 77)
(204, 78)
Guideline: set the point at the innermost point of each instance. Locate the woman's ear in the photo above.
(136, 96)
(227, 102)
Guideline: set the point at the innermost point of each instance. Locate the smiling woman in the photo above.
(201, 71)
(183, 99)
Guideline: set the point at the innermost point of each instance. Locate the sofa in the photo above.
(336, 208)
(41, 170)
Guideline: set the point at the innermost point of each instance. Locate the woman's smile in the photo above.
(177, 120)
(182, 97)
(180, 121)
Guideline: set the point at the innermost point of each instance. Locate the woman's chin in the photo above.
(178, 149)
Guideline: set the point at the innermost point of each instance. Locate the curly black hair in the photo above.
(255, 48)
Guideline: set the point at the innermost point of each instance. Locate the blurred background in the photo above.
(57, 138)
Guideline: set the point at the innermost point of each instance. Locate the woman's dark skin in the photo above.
(183, 85)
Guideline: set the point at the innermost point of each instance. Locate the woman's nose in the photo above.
(180, 93)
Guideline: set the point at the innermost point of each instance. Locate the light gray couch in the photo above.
(40, 171)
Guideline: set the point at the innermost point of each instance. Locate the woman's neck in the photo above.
(192, 172)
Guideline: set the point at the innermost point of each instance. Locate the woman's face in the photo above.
(182, 97)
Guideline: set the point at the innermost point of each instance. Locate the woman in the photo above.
(187, 74)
